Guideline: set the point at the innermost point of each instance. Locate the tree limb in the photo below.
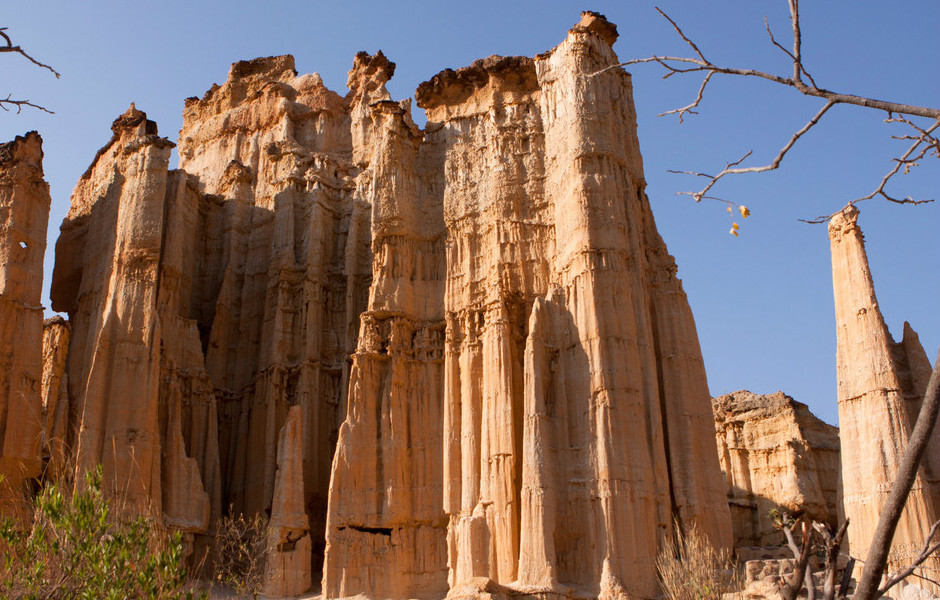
(904, 479)
(930, 546)
(19, 104)
(733, 169)
(800, 575)
(17, 49)
(925, 144)
(832, 545)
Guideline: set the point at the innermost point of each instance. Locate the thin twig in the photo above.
(688, 108)
(928, 549)
(923, 145)
(930, 143)
(733, 169)
(11, 48)
(19, 104)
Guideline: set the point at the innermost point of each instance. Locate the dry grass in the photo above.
(241, 553)
(690, 568)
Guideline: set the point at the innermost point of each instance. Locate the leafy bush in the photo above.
(690, 568)
(75, 548)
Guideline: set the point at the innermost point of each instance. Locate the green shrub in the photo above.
(75, 548)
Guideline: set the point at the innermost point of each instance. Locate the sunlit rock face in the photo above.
(881, 386)
(24, 215)
(479, 317)
(775, 455)
(528, 407)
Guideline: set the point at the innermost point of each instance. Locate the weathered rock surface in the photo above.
(528, 409)
(289, 527)
(24, 216)
(527, 405)
(881, 387)
(207, 302)
(775, 454)
(55, 398)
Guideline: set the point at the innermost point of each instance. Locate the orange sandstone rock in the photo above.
(775, 454)
(24, 215)
(881, 386)
(528, 408)
(484, 305)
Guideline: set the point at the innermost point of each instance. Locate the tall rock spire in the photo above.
(528, 406)
(881, 387)
(24, 215)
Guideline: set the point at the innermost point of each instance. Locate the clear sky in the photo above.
(762, 302)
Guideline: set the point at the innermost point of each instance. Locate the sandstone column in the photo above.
(24, 216)
(881, 386)
(572, 395)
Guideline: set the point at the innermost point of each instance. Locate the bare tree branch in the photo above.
(930, 546)
(688, 108)
(904, 479)
(924, 145)
(800, 575)
(832, 544)
(795, 81)
(19, 104)
(733, 169)
(11, 48)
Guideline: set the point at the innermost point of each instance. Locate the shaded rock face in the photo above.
(206, 302)
(775, 454)
(527, 407)
(56, 333)
(24, 216)
(881, 386)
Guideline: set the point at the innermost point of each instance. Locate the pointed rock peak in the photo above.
(909, 334)
(845, 219)
(595, 22)
(369, 71)
(23, 148)
(131, 119)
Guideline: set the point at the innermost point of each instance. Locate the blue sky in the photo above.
(762, 302)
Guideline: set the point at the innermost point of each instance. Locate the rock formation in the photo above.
(881, 386)
(289, 527)
(55, 398)
(24, 216)
(527, 404)
(775, 454)
(207, 301)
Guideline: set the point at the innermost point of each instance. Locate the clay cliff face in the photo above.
(775, 454)
(206, 302)
(24, 215)
(56, 333)
(527, 403)
(881, 386)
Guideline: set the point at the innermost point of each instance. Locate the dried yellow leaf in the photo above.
(744, 211)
